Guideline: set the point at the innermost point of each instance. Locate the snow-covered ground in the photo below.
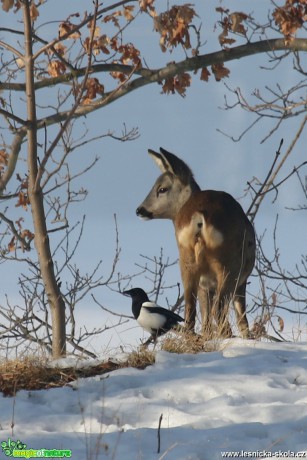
(247, 397)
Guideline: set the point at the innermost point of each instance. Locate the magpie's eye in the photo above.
(162, 190)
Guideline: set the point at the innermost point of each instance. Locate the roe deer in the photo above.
(216, 243)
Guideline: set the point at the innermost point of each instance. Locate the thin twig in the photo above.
(158, 434)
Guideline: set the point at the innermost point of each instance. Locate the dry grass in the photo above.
(141, 358)
(189, 342)
(35, 374)
(184, 342)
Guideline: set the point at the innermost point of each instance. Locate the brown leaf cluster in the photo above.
(56, 68)
(126, 13)
(98, 45)
(205, 74)
(290, 17)
(220, 71)
(68, 30)
(147, 6)
(178, 83)
(120, 76)
(3, 159)
(23, 200)
(9, 4)
(93, 88)
(60, 49)
(24, 236)
(173, 26)
(231, 23)
(129, 55)
(34, 13)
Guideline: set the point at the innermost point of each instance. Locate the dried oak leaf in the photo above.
(178, 83)
(96, 31)
(24, 182)
(224, 38)
(173, 26)
(67, 28)
(113, 18)
(148, 7)
(220, 71)
(34, 13)
(290, 17)
(205, 74)
(102, 43)
(97, 45)
(23, 200)
(120, 76)
(281, 324)
(128, 12)
(7, 5)
(236, 22)
(231, 23)
(11, 246)
(56, 68)
(3, 159)
(60, 49)
(222, 10)
(27, 235)
(93, 88)
(19, 222)
(130, 54)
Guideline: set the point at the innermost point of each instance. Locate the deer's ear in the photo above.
(168, 162)
(160, 161)
(176, 166)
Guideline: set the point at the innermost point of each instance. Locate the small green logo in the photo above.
(18, 449)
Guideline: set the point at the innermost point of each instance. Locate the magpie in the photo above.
(154, 319)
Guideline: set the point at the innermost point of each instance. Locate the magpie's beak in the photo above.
(126, 293)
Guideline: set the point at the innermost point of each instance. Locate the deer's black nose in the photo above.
(143, 213)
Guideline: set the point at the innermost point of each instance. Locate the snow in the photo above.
(245, 397)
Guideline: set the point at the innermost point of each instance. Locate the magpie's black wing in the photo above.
(168, 314)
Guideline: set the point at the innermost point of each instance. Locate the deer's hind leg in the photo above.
(205, 300)
(240, 309)
(221, 304)
(190, 298)
(221, 308)
(190, 280)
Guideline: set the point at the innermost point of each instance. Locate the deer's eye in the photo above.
(162, 190)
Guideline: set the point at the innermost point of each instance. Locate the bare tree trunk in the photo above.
(41, 239)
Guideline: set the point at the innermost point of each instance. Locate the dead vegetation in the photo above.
(188, 342)
(141, 358)
(34, 374)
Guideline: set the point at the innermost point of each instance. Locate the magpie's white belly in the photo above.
(150, 321)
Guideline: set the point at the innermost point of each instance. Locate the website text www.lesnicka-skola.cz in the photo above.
(264, 454)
